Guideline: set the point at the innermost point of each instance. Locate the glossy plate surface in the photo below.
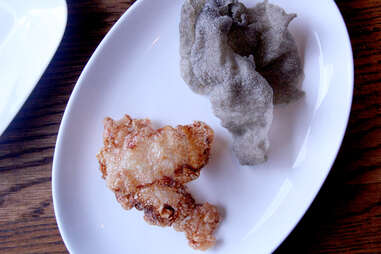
(135, 70)
(30, 32)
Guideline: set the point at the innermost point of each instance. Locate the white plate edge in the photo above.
(309, 203)
(66, 115)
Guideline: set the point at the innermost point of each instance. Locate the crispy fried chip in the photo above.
(147, 169)
(243, 60)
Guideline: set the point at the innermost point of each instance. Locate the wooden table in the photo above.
(345, 217)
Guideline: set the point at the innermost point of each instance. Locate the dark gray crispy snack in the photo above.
(243, 59)
(240, 96)
(147, 169)
(276, 57)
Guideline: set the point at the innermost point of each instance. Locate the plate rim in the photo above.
(342, 135)
(73, 94)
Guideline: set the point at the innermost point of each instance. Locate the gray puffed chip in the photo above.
(220, 43)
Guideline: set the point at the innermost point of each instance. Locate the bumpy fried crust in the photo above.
(135, 154)
(199, 226)
(147, 169)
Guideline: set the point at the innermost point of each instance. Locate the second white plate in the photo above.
(30, 32)
(135, 70)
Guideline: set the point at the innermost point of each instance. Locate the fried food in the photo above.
(147, 169)
(276, 55)
(240, 96)
(244, 60)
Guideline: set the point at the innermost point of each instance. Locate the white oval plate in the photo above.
(30, 32)
(135, 70)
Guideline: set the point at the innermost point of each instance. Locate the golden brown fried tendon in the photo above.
(166, 202)
(147, 169)
(199, 226)
(135, 154)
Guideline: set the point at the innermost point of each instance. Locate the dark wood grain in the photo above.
(344, 218)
